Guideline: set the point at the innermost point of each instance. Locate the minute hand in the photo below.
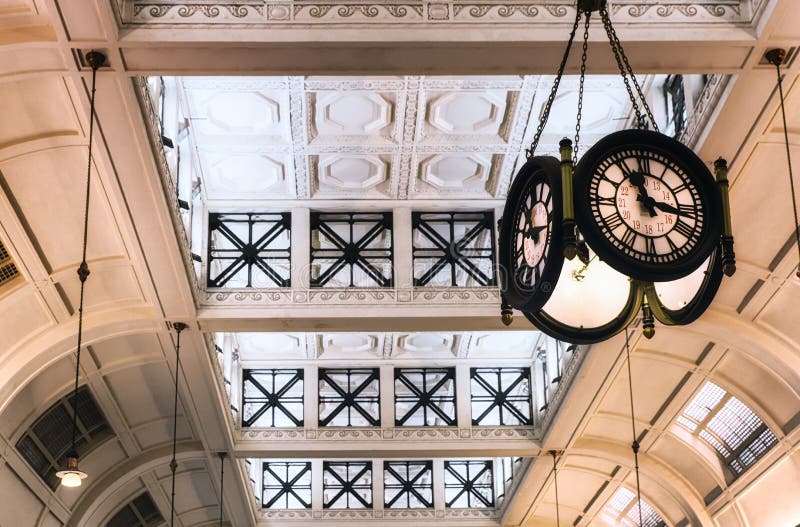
(666, 207)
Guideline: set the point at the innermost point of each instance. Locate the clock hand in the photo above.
(666, 207)
(637, 179)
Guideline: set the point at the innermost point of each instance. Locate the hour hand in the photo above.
(649, 203)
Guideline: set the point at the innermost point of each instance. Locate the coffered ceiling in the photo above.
(381, 138)
(374, 105)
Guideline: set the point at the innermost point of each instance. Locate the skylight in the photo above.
(45, 444)
(139, 512)
(729, 426)
(8, 269)
(623, 509)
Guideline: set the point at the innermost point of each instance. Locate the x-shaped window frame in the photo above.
(470, 483)
(426, 398)
(499, 398)
(349, 486)
(455, 253)
(408, 487)
(349, 399)
(252, 253)
(288, 487)
(274, 398)
(353, 253)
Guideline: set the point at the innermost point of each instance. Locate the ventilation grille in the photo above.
(8, 269)
(45, 444)
(140, 512)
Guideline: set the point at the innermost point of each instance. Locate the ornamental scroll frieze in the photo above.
(426, 12)
(365, 514)
(286, 297)
(389, 434)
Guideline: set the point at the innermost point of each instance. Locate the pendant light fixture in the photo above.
(173, 465)
(72, 475)
(635, 442)
(776, 57)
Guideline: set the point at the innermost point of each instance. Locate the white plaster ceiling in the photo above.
(417, 347)
(276, 138)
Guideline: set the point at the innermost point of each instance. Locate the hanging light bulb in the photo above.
(72, 476)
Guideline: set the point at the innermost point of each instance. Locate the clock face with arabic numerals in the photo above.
(530, 234)
(647, 205)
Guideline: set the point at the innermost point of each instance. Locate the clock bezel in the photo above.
(693, 167)
(535, 170)
(699, 302)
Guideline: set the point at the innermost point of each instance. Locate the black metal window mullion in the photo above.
(347, 484)
(408, 484)
(286, 485)
(473, 253)
(493, 395)
(269, 395)
(267, 253)
(469, 484)
(350, 402)
(334, 251)
(426, 396)
(675, 100)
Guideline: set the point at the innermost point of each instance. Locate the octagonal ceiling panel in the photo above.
(426, 345)
(349, 345)
(352, 113)
(508, 343)
(247, 175)
(468, 112)
(349, 175)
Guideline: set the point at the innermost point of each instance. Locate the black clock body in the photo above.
(647, 205)
(530, 254)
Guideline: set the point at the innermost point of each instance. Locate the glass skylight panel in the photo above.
(425, 396)
(347, 484)
(350, 249)
(272, 398)
(623, 508)
(45, 445)
(500, 396)
(349, 397)
(287, 485)
(469, 484)
(408, 484)
(738, 435)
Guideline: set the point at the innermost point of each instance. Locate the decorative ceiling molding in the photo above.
(264, 13)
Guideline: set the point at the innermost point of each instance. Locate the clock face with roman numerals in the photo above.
(649, 206)
(530, 234)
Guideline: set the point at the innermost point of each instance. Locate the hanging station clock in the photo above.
(531, 224)
(647, 205)
(638, 226)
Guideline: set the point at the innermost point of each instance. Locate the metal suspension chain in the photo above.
(554, 90)
(555, 483)
(173, 464)
(777, 60)
(635, 443)
(626, 70)
(221, 485)
(83, 269)
(585, 50)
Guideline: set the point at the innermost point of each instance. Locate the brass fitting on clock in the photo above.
(506, 314)
(648, 321)
(728, 256)
(570, 238)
